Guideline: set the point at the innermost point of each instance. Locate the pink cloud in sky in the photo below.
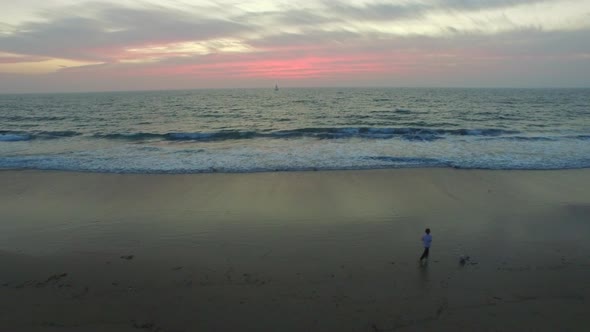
(303, 67)
(296, 64)
(292, 63)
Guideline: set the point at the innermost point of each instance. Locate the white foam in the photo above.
(310, 154)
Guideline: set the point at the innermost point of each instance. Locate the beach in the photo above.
(295, 251)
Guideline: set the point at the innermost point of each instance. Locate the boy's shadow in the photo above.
(423, 270)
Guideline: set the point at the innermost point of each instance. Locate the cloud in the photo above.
(483, 4)
(16, 58)
(101, 32)
(104, 31)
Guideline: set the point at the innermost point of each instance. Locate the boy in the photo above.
(426, 239)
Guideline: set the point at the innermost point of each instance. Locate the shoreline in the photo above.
(311, 170)
(292, 251)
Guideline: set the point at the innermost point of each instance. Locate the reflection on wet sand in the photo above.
(321, 251)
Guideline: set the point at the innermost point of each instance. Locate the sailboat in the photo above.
(276, 87)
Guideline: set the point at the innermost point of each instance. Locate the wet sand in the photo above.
(308, 251)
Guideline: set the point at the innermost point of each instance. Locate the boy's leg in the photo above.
(424, 254)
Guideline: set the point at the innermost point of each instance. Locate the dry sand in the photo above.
(311, 251)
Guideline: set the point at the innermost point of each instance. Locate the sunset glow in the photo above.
(425, 43)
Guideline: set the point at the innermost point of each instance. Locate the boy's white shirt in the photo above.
(427, 240)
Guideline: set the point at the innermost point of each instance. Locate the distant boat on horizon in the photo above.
(276, 87)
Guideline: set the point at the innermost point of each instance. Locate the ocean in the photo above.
(254, 130)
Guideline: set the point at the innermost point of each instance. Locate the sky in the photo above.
(69, 46)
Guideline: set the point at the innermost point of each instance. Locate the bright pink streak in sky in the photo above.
(294, 68)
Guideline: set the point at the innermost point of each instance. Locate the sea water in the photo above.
(251, 130)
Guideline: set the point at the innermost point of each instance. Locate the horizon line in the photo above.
(307, 87)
